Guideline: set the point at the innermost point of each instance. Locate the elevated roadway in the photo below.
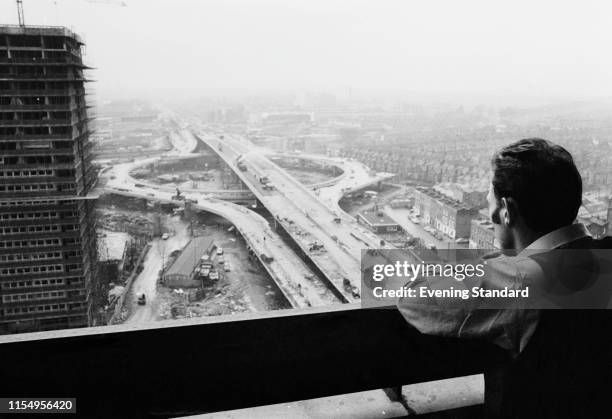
(122, 171)
(295, 279)
(121, 174)
(307, 219)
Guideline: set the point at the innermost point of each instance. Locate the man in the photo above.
(559, 359)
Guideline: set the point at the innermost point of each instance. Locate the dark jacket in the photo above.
(565, 370)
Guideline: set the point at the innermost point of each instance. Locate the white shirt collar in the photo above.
(558, 237)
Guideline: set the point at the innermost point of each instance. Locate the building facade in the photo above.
(47, 230)
(463, 194)
(446, 215)
(482, 235)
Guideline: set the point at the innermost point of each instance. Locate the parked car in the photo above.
(227, 267)
(165, 236)
(219, 250)
(142, 299)
(220, 260)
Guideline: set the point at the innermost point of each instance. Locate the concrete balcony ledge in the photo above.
(457, 395)
(225, 364)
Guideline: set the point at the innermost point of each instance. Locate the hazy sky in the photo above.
(462, 47)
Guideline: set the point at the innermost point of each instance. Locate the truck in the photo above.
(348, 287)
(314, 246)
(203, 272)
(266, 258)
(205, 261)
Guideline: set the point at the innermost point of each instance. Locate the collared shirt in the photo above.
(510, 328)
(557, 238)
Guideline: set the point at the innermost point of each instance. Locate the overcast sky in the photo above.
(463, 47)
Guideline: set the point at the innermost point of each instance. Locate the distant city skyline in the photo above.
(469, 51)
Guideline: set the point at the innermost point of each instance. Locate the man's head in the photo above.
(536, 188)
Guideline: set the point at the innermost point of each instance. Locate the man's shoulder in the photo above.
(505, 261)
(507, 269)
(589, 243)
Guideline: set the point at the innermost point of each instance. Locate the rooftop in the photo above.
(483, 222)
(190, 256)
(377, 218)
(39, 30)
(442, 198)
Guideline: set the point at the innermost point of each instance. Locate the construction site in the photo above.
(161, 258)
(149, 185)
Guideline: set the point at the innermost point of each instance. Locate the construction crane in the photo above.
(20, 13)
(21, 16)
(114, 2)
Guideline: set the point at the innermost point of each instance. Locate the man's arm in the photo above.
(509, 328)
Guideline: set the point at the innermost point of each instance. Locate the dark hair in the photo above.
(543, 180)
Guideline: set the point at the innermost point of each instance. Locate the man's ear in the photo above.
(509, 212)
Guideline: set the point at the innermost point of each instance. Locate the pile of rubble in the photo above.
(134, 223)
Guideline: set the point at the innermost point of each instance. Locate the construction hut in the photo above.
(182, 272)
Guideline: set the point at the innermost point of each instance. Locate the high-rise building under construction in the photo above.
(47, 230)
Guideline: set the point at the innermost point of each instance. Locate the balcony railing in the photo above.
(39, 166)
(36, 77)
(41, 151)
(68, 59)
(202, 365)
(46, 107)
(42, 92)
(51, 122)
